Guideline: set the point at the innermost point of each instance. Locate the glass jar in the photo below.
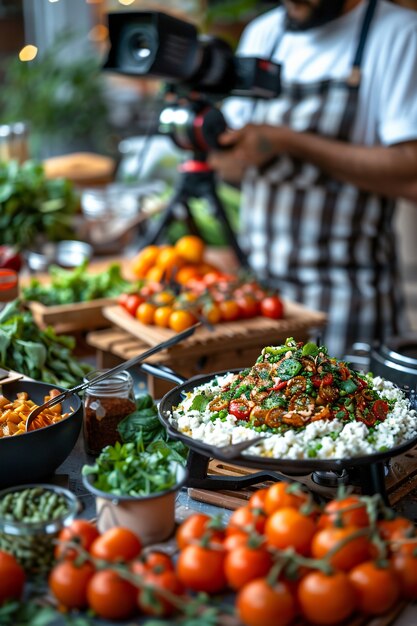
(31, 517)
(105, 405)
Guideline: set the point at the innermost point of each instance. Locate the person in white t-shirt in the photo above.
(322, 164)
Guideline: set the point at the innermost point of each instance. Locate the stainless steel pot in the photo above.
(396, 359)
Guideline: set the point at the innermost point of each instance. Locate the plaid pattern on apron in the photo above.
(320, 241)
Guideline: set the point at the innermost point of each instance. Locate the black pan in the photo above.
(283, 465)
(36, 454)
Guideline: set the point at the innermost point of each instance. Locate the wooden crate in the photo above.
(74, 317)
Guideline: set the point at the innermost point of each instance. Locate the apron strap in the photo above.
(354, 77)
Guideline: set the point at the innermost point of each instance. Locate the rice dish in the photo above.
(307, 404)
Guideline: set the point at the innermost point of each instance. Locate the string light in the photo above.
(28, 53)
(126, 2)
(51, 1)
(98, 33)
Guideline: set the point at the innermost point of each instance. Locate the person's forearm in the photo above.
(390, 171)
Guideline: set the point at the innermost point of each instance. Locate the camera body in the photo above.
(199, 71)
(154, 44)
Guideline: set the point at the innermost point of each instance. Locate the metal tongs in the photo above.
(114, 370)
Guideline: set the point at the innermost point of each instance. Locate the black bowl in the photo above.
(36, 454)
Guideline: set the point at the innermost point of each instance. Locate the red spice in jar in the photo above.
(105, 405)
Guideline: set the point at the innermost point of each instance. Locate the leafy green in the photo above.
(40, 354)
(32, 205)
(78, 285)
(310, 349)
(199, 403)
(144, 424)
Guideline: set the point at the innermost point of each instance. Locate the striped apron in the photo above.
(320, 241)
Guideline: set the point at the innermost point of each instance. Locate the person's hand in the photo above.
(255, 145)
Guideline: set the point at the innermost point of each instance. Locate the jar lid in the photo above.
(117, 383)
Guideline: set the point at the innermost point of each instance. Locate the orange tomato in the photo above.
(405, 567)
(162, 315)
(163, 298)
(116, 544)
(144, 260)
(229, 310)
(260, 604)
(155, 274)
(110, 596)
(186, 273)
(191, 248)
(212, 313)
(257, 500)
(243, 564)
(246, 519)
(195, 527)
(389, 527)
(169, 260)
(145, 313)
(377, 588)
(68, 582)
(12, 578)
(180, 320)
(355, 551)
(202, 569)
(326, 599)
(80, 531)
(349, 511)
(281, 495)
(153, 603)
(288, 528)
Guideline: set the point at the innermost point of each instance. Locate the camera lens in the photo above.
(140, 47)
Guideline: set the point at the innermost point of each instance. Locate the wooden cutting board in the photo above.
(255, 331)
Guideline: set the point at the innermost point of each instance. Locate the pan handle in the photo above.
(163, 372)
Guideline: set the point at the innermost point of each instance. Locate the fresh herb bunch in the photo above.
(40, 354)
(78, 285)
(32, 205)
(142, 464)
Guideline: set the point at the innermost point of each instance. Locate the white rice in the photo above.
(324, 439)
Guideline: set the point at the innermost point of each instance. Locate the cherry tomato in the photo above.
(405, 567)
(349, 511)
(68, 582)
(288, 528)
(195, 527)
(240, 409)
(116, 544)
(388, 528)
(260, 604)
(110, 596)
(326, 599)
(12, 578)
(229, 310)
(180, 320)
(355, 551)
(202, 569)
(244, 564)
(281, 495)
(272, 307)
(377, 588)
(246, 519)
(133, 301)
(257, 499)
(162, 315)
(211, 312)
(237, 539)
(157, 604)
(145, 313)
(248, 306)
(122, 299)
(380, 409)
(80, 531)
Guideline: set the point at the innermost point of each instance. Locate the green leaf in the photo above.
(199, 403)
(310, 349)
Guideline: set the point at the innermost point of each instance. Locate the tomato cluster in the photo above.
(216, 297)
(283, 556)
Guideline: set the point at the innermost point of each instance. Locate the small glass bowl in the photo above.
(33, 543)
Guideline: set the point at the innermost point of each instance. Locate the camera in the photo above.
(158, 45)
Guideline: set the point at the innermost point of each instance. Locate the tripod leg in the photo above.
(231, 237)
(160, 225)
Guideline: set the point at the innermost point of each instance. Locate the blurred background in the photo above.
(59, 108)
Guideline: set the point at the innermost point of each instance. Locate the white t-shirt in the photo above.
(387, 111)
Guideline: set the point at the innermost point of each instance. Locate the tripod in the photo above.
(197, 179)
